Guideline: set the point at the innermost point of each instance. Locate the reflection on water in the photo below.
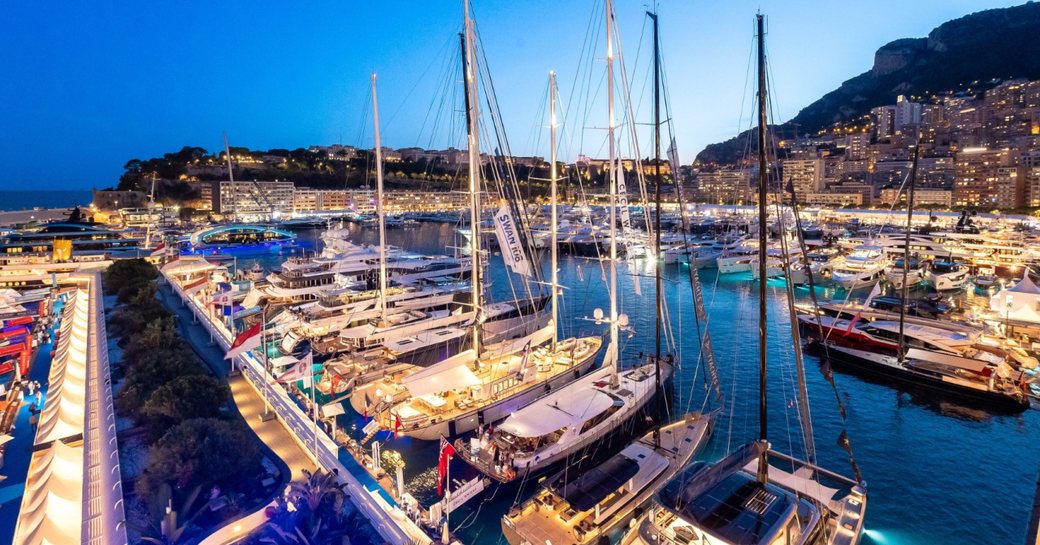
(930, 465)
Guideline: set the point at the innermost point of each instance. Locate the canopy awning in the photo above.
(556, 412)
(284, 361)
(450, 374)
(332, 410)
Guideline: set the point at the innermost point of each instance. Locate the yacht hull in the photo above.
(500, 409)
(886, 367)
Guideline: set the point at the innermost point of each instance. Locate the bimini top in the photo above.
(554, 412)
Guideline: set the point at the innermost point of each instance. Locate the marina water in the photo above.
(936, 472)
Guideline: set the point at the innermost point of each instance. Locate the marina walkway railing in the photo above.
(392, 523)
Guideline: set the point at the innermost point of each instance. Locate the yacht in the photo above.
(822, 262)
(549, 430)
(864, 266)
(947, 275)
(726, 504)
(581, 507)
(914, 275)
(756, 495)
(738, 259)
(461, 393)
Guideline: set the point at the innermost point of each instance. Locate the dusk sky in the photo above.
(87, 86)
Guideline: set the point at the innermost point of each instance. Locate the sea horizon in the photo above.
(20, 199)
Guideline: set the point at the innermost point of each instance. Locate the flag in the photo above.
(447, 451)
(368, 402)
(222, 298)
(196, 285)
(159, 250)
(397, 424)
(300, 371)
(524, 361)
(866, 304)
(245, 341)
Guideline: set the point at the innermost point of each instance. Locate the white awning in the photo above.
(284, 361)
(450, 374)
(332, 410)
(555, 412)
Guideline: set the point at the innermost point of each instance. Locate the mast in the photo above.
(906, 252)
(553, 226)
(657, 197)
(763, 467)
(231, 177)
(473, 143)
(379, 205)
(612, 352)
(151, 214)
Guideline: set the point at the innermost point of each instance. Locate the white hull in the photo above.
(498, 410)
(949, 281)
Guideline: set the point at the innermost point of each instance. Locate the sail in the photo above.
(509, 241)
(622, 203)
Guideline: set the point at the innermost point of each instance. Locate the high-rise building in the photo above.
(906, 114)
(726, 186)
(988, 178)
(884, 121)
(806, 175)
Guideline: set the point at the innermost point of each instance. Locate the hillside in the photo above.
(996, 43)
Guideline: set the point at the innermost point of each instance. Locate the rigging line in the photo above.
(584, 72)
(448, 87)
(802, 397)
(441, 52)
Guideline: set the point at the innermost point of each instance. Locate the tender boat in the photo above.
(947, 275)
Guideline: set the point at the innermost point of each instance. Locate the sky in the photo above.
(87, 86)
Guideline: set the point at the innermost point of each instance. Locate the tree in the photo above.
(200, 452)
(126, 272)
(184, 398)
(149, 372)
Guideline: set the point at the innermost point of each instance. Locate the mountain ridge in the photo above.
(982, 46)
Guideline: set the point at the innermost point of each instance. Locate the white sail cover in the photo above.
(450, 374)
(509, 241)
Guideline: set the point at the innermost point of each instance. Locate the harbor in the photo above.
(822, 330)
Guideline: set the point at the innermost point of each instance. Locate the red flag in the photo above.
(245, 341)
(447, 451)
(397, 424)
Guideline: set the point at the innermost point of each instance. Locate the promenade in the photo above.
(290, 427)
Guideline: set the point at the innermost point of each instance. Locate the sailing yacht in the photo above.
(744, 499)
(583, 505)
(493, 379)
(590, 409)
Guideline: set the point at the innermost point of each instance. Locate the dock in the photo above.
(377, 505)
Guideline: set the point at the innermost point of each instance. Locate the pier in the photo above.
(392, 523)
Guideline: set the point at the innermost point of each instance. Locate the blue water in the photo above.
(936, 472)
(26, 200)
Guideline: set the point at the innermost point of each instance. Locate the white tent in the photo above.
(1020, 302)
